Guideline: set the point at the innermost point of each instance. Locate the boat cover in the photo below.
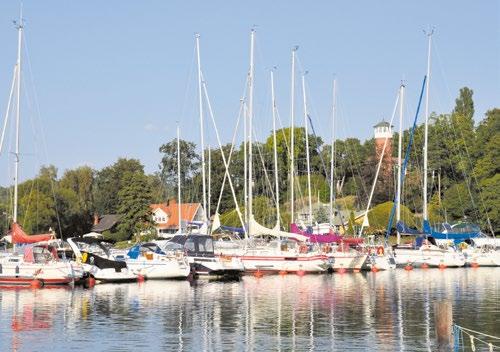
(19, 236)
(456, 237)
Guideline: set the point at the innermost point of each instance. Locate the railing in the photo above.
(474, 339)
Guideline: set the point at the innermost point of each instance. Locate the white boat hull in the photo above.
(159, 269)
(433, 257)
(292, 264)
(14, 271)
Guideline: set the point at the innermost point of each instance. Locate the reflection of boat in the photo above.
(98, 261)
(201, 256)
(38, 263)
(149, 260)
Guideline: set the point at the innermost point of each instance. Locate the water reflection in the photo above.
(384, 311)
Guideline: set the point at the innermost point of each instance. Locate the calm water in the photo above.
(384, 311)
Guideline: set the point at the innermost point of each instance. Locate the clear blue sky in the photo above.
(112, 77)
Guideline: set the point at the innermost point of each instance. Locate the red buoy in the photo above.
(342, 270)
(258, 274)
(36, 283)
(408, 267)
(424, 266)
(283, 272)
(474, 265)
(89, 282)
(301, 272)
(140, 278)
(374, 269)
(442, 266)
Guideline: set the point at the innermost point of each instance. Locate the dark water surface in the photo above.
(384, 311)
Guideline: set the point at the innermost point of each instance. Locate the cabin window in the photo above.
(206, 245)
(189, 245)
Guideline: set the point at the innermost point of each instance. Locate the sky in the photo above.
(110, 79)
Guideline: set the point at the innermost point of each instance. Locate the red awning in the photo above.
(19, 236)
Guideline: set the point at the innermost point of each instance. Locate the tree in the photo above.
(464, 105)
(134, 201)
(190, 162)
(110, 180)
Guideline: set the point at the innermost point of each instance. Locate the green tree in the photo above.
(134, 201)
(109, 181)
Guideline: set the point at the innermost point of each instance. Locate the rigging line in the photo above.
(242, 102)
(7, 112)
(407, 155)
(326, 171)
(382, 154)
(38, 115)
(226, 165)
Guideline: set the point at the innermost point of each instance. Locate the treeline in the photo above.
(464, 158)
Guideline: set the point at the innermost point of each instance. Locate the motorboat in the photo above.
(37, 264)
(98, 261)
(204, 262)
(151, 262)
(280, 256)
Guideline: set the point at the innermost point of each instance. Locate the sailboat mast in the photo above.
(292, 138)
(179, 178)
(200, 109)
(400, 142)
(277, 189)
(18, 114)
(307, 147)
(332, 159)
(426, 132)
(209, 190)
(245, 160)
(250, 118)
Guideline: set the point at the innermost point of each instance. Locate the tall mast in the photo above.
(200, 109)
(292, 137)
(277, 189)
(307, 147)
(429, 36)
(209, 197)
(332, 160)
(250, 118)
(245, 160)
(19, 26)
(179, 178)
(400, 142)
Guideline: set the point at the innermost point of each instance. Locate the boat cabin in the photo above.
(196, 245)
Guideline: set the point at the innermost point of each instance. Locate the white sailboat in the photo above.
(280, 254)
(426, 252)
(36, 262)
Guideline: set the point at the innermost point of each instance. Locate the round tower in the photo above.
(383, 131)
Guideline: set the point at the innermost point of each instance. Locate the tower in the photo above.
(383, 131)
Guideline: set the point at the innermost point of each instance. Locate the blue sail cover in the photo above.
(450, 234)
(401, 227)
(133, 253)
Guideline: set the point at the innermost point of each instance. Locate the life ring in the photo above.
(303, 248)
(380, 251)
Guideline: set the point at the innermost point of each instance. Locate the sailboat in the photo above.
(282, 251)
(425, 251)
(34, 261)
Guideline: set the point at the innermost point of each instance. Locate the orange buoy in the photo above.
(357, 270)
(374, 269)
(89, 282)
(283, 272)
(140, 278)
(408, 267)
(424, 266)
(301, 272)
(36, 283)
(342, 271)
(442, 266)
(258, 274)
(474, 265)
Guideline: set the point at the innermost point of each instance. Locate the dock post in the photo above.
(443, 322)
